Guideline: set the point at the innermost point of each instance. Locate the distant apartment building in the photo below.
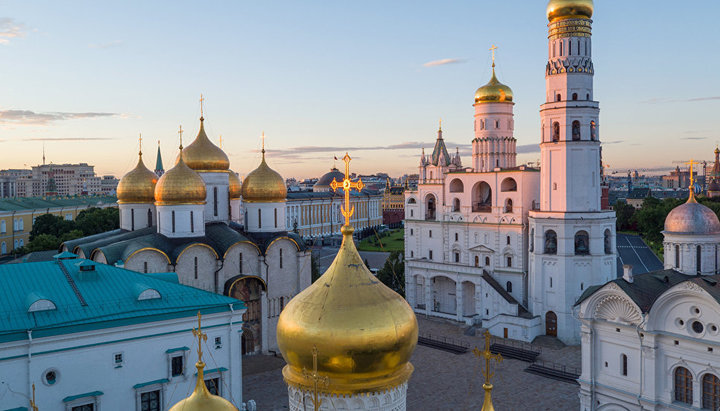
(108, 185)
(55, 179)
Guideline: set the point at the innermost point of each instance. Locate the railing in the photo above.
(520, 345)
(575, 371)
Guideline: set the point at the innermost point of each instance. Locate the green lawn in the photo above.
(394, 240)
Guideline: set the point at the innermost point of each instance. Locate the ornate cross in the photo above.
(440, 127)
(317, 380)
(180, 134)
(201, 105)
(692, 178)
(200, 336)
(140, 140)
(488, 355)
(263, 142)
(492, 50)
(347, 185)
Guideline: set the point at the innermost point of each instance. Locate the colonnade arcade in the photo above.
(444, 297)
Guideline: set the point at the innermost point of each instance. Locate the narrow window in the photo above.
(558, 97)
(576, 130)
(411, 231)
(240, 264)
(509, 262)
(550, 282)
(711, 392)
(624, 364)
(196, 268)
(456, 236)
(698, 258)
(487, 261)
(259, 218)
(149, 217)
(497, 123)
(556, 130)
(508, 286)
(677, 256)
(683, 385)
(145, 267)
(561, 48)
(173, 220)
(430, 233)
(215, 212)
(192, 222)
(430, 254)
(507, 240)
(132, 219)
(412, 254)
(477, 261)
(281, 258)
(275, 210)
(457, 257)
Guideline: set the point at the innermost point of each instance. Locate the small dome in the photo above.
(180, 185)
(364, 332)
(235, 185)
(323, 182)
(138, 185)
(494, 91)
(203, 155)
(569, 9)
(692, 218)
(201, 399)
(264, 185)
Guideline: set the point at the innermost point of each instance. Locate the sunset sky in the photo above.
(323, 77)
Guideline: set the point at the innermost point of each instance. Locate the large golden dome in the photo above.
(264, 185)
(364, 332)
(203, 155)
(138, 185)
(494, 91)
(180, 185)
(235, 185)
(569, 9)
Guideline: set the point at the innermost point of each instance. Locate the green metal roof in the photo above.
(86, 300)
(158, 161)
(43, 203)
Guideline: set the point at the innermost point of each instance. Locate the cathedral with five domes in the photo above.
(217, 234)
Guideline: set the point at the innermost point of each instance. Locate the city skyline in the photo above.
(88, 83)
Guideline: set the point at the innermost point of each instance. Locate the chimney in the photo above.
(627, 273)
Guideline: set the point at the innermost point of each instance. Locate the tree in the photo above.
(392, 274)
(44, 242)
(50, 224)
(624, 213)
(97, 220)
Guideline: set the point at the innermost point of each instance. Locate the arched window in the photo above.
(593, 132)
(196, 268)
(508, 184)
(456, 186)
(3, 249)
(457, 257)
(558, 97)
(132, 219)
(482, 198)
(430, 207)
(509, 205)
(587, 96)
(477, 259)
(556, 131)
(275, 210)
(710, 392)
(576, 130)
(532, 240)
(487, 261)
(683, 385)
(172, 216)
(574, 96)
(550, 242)
(623, 365)
(192, 222)
(456, 205)
(698, 259)
(412, 201)
(677, 256)
(456, 236)
(607, 241)
(507, 240)
(259, 218)
(509, 262)
(582, 243)
(508, 287)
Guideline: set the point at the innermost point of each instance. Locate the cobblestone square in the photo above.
(442, 380)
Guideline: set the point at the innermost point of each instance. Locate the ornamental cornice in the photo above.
(569, 65)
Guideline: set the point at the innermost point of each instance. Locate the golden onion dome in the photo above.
(203, 155)
(494, 91)
(363, 331)
(138, 185)
(180, 185)
(264, 185)
(235, 185)
(201, 399)
(569, 9)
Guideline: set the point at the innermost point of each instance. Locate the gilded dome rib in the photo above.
(138, 185)
(180, 185)
(204, 156)
(264, 185)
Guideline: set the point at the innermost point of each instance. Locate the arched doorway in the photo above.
(249, 289)
(551, 324)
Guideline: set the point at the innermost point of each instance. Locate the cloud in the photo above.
(10, 29)
(612, 142)
(660, 100)
(693, 138)
(28, 117)
(527, 148)
(411, 145)
(442, 62)
(107, 45)
(67, 139)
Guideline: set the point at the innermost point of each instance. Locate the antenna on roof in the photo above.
(43, 153)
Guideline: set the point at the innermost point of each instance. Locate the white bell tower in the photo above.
(572, 238)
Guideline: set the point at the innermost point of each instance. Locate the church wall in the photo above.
(261, 217)
(710, 252)
(135, 216)
(156, 262)
(201, 275)
(221, 182)
(183, 225)
(231, 265)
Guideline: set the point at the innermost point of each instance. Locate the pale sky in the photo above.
(323, 77)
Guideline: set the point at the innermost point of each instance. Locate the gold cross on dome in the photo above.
(492, 50)
(692, 178)
(140, 141)
(488, 355)
(201, 104)
(317, 380)
(180, 131)
(201, 336)
(347, 185)
(220, 141)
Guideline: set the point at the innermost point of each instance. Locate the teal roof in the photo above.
(102, 298)
(158, 161)
(43, 203)
(87, 394)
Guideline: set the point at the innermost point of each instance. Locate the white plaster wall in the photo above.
(236, 210)
(143, 347)
(710, 254)
(267, 224)
(219, 180)
(493, 125)
(141, 216)
(183, 228)
(391, 400)
(231, 265)
(156, 262)
(207, 265)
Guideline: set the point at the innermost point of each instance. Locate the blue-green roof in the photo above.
(104, 298)
(40, 203)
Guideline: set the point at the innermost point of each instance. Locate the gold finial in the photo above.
(201, 336)
(316, 379)
(347, 185)
(691, 195)
(492, 50)
(440, 126)
(33, 404)
(487, 355)
(220, 140)
(180, 131)
(140, 142)
(263, 144)
(201, 107)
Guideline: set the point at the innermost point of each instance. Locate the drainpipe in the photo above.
(642, 363)
(29, 360)
(222, 264)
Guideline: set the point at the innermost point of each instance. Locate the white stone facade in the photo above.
(390, 400)
(136, 216)
(692, 254)
(265, 217)
(181, 220)
(217, 201)
(127, 362)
